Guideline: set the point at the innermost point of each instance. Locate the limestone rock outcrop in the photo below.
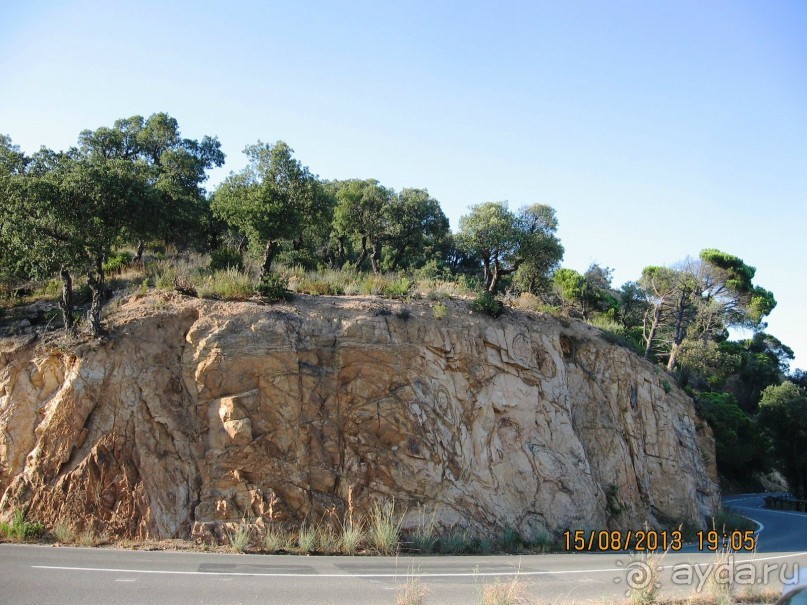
(194, 413)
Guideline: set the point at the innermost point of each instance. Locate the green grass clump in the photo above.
(614, 333)
(277, 539)
(511, 540)
(20, 529)
(726, 520)
(239, 538)
(307, 539)
(397, 288)
(424, 536)
(384, 530)
(457, 542)
(327, 540)
(226, 284)
(351, 538)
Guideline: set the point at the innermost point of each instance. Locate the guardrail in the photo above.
(786, 502)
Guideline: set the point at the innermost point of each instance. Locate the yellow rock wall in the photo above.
(196, 413)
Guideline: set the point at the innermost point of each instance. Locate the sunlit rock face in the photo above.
(195, 413)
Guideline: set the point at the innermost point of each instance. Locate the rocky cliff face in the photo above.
(195, 413)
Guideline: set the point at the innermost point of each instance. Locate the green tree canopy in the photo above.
(360, 216)
(174, 166)
(416, 230)
(783, 414)
(503, 241)
(269, 200)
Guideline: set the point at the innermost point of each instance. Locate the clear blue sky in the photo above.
(655, 129)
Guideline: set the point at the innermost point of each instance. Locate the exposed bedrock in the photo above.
(194, 413)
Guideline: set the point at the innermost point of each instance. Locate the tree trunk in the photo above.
(66, 301)
(680, 331)
(363, 254)
(494, 281)
(653, 327)
(375, 257)
(341, 253)
(268, 256)
(673, 356)
(487, 276)
(141, 246)
(95, 279)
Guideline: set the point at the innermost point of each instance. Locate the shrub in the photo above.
(63, 533)
(397, 287)
(274, 287)
(20, 529)
(225, 258)
(440, 311)
(117, 262)
(487, 303)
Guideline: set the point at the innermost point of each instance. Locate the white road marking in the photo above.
(387, 575)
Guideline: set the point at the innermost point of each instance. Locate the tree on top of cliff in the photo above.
(359, 218)
(175, 167)
(699, 300)
(270, 200)
(503, 241)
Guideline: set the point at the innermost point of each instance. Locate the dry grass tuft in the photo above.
(512, 592)
(412, 592)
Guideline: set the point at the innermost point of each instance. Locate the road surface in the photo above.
(781, 530)
(46, 575)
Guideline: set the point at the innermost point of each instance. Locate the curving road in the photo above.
(45, 575)
(781, 531)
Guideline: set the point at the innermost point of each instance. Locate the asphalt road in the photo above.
(45, 575)
(781, 530)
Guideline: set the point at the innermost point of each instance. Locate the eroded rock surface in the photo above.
(195, 413)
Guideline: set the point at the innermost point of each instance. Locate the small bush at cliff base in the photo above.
(487, 303)
(20, 530)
